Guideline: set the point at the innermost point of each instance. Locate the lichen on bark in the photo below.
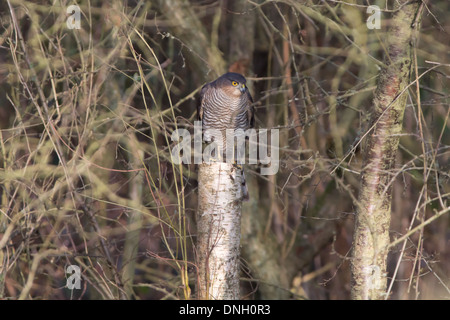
(371, 236)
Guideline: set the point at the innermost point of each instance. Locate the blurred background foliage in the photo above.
(86, 117)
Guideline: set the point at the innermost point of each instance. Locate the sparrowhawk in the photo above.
(226, 103)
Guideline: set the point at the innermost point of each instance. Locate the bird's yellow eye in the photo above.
(234, 83)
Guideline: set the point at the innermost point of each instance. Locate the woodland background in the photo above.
(86, 117)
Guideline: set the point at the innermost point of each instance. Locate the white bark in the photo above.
(373, 215)
(219, 230)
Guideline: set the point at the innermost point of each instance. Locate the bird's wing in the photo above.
(200, 105)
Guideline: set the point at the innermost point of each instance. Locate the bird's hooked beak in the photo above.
(243, 88)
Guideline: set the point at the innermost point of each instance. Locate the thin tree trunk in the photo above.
(240, 54)
(189, 28)
(371, 237)
(259, 250)
(131, 246)
(218, 231)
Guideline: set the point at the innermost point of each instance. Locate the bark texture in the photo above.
(371, 237)
(219, 231)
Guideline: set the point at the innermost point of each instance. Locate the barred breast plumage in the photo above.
(226, 104)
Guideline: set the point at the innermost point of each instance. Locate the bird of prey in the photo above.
(226, 103)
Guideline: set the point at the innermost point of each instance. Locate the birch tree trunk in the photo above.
(371, 237)
(219, 231)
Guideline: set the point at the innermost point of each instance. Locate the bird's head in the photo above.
(234, 84)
